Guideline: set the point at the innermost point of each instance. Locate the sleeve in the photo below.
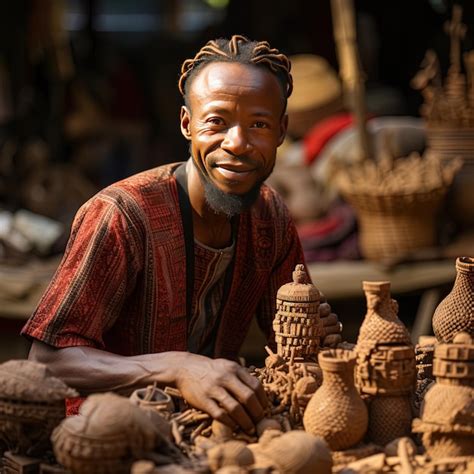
(290, 254)
(98, 270)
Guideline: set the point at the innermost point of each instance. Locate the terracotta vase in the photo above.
(336, 411)
(456, 312)
(381, 323)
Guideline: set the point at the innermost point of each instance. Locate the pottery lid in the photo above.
(300, 289)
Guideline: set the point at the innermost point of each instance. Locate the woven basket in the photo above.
(393, 226)
(448, 143)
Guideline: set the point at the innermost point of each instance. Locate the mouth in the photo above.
(234, 172)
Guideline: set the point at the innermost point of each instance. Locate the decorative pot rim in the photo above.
(337, 360)
(465, 264)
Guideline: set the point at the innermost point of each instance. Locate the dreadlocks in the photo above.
(241, 50)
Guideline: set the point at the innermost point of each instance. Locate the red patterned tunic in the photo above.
(121, 285)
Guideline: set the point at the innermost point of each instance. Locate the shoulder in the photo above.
(270, 205)
(135, 198)
(143, 185)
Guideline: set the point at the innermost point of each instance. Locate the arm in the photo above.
(217, 386)
(82, 303)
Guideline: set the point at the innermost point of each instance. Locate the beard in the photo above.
(224, 203)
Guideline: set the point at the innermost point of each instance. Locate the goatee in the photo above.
(227, 204)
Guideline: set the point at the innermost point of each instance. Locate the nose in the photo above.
(235, 141)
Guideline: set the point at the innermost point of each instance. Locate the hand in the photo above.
(332, 327)
(223, 389)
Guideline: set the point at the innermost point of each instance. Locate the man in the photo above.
(166, 269)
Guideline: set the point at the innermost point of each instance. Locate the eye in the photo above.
(215, 121)
(260, 125)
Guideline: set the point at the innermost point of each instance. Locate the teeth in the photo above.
(231, 174)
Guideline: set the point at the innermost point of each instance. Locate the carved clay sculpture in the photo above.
(289, 385)
(447, 415)
(230, 453)
(297, 324)
(456, 312)
(336, 412)
(294, 452)
(107, 435)
(385, 372)
(31, 405)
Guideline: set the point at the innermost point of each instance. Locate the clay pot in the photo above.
(336, 411)
(389, 418)
(381, 323)
(152, 398)
(456, 312)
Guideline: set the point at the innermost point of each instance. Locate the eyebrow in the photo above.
(224, 111)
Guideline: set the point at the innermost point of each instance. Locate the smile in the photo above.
(234, 174)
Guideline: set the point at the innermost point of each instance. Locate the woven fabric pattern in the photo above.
(121, 285)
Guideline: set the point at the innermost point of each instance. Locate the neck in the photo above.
(209, 228)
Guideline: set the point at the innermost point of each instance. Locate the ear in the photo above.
(283, 128)
(185, 121)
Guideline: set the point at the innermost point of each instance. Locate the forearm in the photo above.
(90, 370)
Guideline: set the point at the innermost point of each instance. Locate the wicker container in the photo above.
(448, 143)
(393, 226)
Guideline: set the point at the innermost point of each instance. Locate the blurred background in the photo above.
(88, 96)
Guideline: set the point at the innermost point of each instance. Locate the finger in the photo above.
(332, 340)
(234, 409)
(333, 329)
(217, 413)
(247, 397)
(255, 385)
(330, 320)
(324, 310)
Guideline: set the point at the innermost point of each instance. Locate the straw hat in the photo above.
(315, 82)
(317, 92)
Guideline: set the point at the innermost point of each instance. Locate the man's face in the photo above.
(235, 124)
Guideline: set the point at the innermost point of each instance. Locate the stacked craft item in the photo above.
(385, 373)
(448, 110)
(447, 416)
(331, 410)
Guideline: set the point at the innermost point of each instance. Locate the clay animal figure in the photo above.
(31, 406)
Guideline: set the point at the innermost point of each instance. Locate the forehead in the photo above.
(225, 80)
